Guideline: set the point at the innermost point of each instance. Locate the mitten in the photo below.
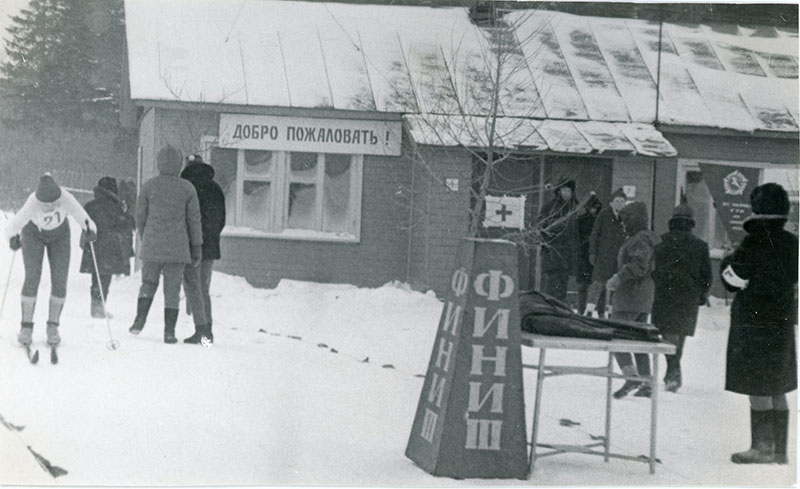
(15, 242)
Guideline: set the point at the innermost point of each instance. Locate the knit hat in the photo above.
(195, 158)
(618, 193)
(169, 161)
(770, 199)
(683, 211)
(47, 190)
(109, 184)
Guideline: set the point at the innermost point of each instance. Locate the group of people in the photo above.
(667, 278)
(178, 215)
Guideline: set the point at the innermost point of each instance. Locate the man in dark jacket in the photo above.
(682, 277)
(761, 360)
(558, 224)
(585, 225)
(114, 230)
(168, 221)
(605, 241)
(212, 217)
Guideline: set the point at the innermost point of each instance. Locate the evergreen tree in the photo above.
(64, 63)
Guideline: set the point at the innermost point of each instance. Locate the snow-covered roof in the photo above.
(411, 60)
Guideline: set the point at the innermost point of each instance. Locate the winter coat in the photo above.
(761, 359)
(560, 250)
(636, 262)
(604, 243)
(114, 228)
(212, 206)
(682, 277)
(168, 217)
(585, 226)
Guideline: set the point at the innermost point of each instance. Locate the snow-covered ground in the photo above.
(313, 384)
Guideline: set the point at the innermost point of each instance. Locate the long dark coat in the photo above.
(585, 226)
(212, 206)
(559, 222)
(114, 229)
(605, 241)
(682, 277)
(761, 359)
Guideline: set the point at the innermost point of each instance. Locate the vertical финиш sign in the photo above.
(730, 187)
(470, 419)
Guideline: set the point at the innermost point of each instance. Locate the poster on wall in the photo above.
(730, 187)
(504, 212)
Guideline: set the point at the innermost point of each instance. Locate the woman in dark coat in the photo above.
(557, 221)
(114, 230)
(585, 225)
(682, 277)
(607, 236)
(761, 359)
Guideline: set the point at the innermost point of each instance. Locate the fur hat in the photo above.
(47, 190)
(169, 161)
(565, 182)
(593, 202)
(109, 184)
(770, 199)
(618, 193)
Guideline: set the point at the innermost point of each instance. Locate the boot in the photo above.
(142, 308)
(628, 387)
(170, 318)
(53, 338)
(208, 336)
(199, 332)
(644, 391)
(25, 336)
(762, 448)
(97, 305)
(780, 429)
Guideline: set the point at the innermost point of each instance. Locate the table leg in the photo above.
(653, 413)
(536, 406)
(609, 380)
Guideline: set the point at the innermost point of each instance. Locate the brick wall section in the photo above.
(442, 215)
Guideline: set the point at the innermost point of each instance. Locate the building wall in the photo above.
(441, 215)
(379, 257)
(666, 173)
(636, 171)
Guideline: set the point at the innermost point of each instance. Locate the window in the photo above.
(313, 196)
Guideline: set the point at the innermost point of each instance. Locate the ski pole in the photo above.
(112, 344)
(8, 282)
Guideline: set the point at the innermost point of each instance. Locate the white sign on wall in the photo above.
(264, 132)
(504, 212)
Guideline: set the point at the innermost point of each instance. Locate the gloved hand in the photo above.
(613, 283)
(197, 255)
(90, 236)
(15, 242)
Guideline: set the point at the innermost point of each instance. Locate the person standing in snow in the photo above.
(607, 236)
(761, 360)
(633, 289)
(114, 228)
(41, 225)
(168, 221)
(682, 278)
(557, 220)
(212, 218)
(585, 225)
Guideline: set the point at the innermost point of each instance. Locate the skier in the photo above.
(761, 360)
(114, 227)
(41, 224)
(633, 289)
(168, 221)
(560, 231)
(212, 217)
(604, 243)
(682, 277)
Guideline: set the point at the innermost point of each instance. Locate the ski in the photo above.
(53, 355)
(33, 357)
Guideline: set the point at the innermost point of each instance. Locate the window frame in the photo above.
(280, 181)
